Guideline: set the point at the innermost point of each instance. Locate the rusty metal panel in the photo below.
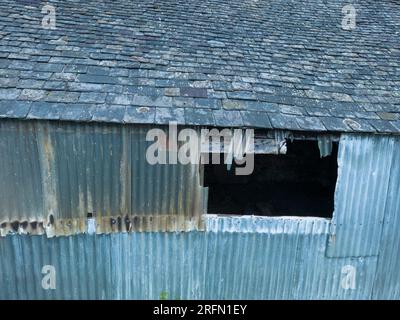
(364, 173)
(59, 174)
(21, 193)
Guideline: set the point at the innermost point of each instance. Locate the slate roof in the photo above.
(272, 64)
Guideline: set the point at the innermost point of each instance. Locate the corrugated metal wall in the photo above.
(285, 260)
(365, 169)
(387, 283)
(237, 257)
(21, 193)
(70, 170)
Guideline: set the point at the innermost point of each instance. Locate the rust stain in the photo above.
(104, 225)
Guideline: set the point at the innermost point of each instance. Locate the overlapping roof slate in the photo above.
(270, 64)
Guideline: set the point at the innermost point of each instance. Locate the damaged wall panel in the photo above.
(282, 259)
(387, 283)
(54, 176)
(364, 171)
(236, 258)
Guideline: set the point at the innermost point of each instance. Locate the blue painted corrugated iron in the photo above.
(236, 257)
(283, 259)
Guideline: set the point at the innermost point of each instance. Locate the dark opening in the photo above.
(299, 183)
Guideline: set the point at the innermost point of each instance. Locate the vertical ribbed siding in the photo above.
(21, 191)
(285, 259)
(72, 171)
(320, 277)
(238, 257)
(360, 196)
(387, 282)
(108, 175)
(252, 265)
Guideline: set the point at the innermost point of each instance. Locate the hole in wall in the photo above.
(298, 183)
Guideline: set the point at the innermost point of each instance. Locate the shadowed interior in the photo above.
(299, 183)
